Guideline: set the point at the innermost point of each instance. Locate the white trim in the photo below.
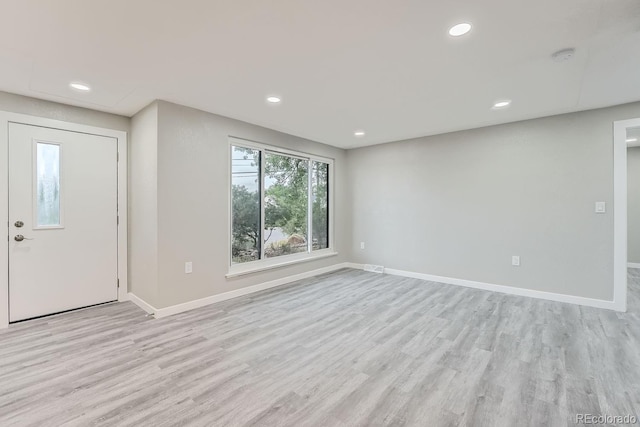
(310, 206)
(120, 136)
(332, 190)
(633, 265)
(620, 211)
(123, 216)
(261, 198)
(247, 143)
(190, 305)
(282, 261)
(571, 299)
(230, 204)
(354, 265)
(142, 303)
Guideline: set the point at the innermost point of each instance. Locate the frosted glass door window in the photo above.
(47, 185)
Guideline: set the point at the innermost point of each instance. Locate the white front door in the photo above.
(63, 240)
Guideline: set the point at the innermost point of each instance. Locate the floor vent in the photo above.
(374, 268)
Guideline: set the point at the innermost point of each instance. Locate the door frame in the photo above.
(120, 136)
(620, 211)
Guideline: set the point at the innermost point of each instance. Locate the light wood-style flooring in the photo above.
(349, 348)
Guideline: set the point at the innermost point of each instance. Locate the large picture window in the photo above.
(279, 203)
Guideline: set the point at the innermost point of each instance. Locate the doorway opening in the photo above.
(624, 133)
(63, 200)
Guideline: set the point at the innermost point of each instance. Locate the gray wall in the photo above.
(456, 205)
(633, 200)
(143, 205)
(460, 205)
(192, 203)
(53, 110)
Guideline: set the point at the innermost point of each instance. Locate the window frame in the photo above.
(283, 260)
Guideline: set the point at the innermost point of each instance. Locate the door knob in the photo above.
(19, 224)
(19, 238)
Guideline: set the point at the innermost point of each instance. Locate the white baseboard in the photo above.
(571, 299)
(633, 265)
(354, 265)
(142, 303)
(190, 305)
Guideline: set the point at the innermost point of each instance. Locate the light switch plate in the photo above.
(188, 267)
(515, 260)
(601, 207)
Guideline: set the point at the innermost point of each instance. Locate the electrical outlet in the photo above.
(188, 267)
(361, 245)
(515, 260)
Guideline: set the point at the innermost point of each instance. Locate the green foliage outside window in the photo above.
(285, 205)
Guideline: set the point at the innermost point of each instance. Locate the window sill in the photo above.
(244, 269)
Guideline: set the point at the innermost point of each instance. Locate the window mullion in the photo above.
(262, 197)
(309, 207)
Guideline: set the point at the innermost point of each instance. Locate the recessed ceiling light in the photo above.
(274, 99)
(502, 104)
(460, 29)
(359, 133)
(632, 139)
(80, 86)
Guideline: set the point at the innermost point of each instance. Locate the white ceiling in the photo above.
(388, 67)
